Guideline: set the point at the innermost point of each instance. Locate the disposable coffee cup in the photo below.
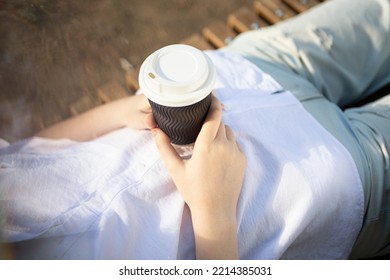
(178, 81)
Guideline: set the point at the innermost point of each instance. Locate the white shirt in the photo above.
(113, 199)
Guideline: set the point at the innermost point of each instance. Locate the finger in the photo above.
(213, 121)
(143, 103)
(172, 160)
(229, 133)
(221, 134)
(150, 121)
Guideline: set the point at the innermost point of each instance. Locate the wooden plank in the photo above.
(112, 91)
(244, 20)
(54, 118)
(218, 34)
(273, 11)
(301, 5)
(83, 104)
(197, 41)
(131, 79)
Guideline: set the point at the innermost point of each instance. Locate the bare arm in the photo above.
(133, 111)
(210, 183)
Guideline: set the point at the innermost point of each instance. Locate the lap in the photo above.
(318, 65)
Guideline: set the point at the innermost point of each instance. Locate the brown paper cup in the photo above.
(178, 81)
(181, 124)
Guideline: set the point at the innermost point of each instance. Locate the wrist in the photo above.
(214, 217)
(215, 236)
(214, 211)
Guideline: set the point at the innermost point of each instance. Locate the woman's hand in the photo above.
(139, 113)
(133, 111)
(210, 183)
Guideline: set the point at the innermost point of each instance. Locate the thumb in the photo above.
(171, 158)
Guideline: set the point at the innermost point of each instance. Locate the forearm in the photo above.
(87, 125)
(98, 121)
(210, 189)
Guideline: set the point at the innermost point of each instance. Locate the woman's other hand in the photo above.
(210, 183)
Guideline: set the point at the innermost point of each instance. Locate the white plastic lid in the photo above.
(177, 75)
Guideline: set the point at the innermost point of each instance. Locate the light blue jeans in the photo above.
(331, 57)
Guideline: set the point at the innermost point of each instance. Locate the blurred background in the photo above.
(52, 52)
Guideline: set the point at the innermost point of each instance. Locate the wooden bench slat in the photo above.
(111, 91)
(218, 34)
(301, 5)
(197, 41)
(273, 11)
(83, 104)
(131, 79)
(244, 20)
